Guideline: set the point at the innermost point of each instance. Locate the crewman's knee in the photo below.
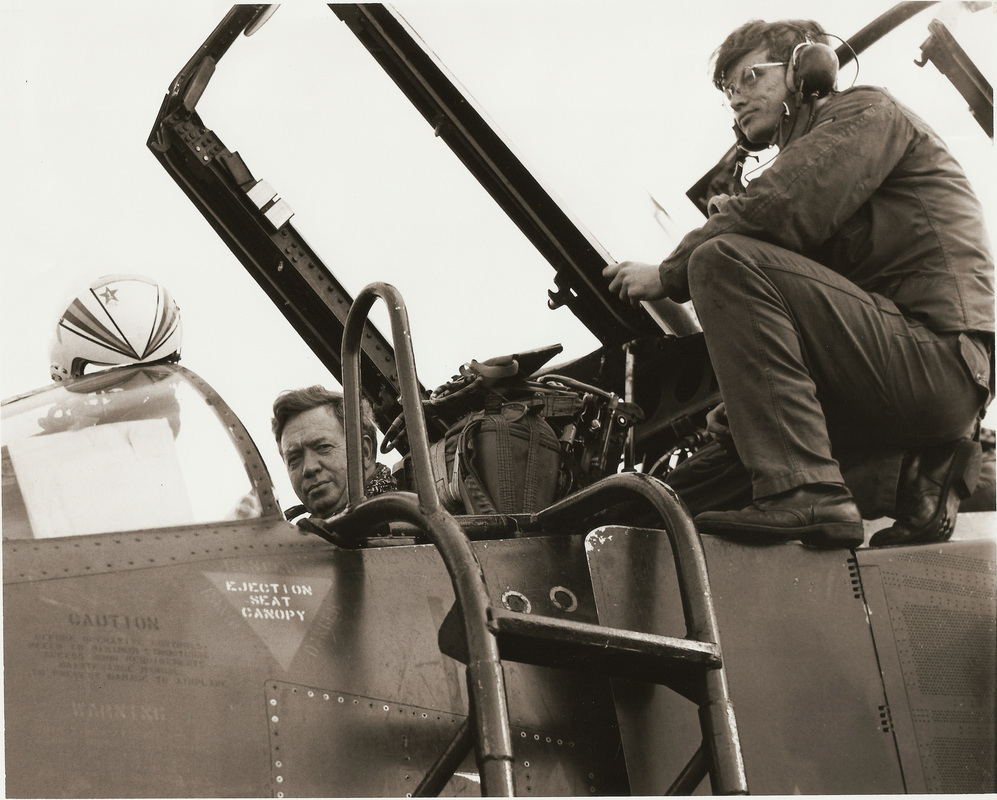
(711, 265)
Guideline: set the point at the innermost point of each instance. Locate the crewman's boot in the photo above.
(932, 483)
(819, 514)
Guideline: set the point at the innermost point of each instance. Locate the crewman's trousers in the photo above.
(804, 358)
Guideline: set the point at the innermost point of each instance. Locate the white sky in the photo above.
(609, 102)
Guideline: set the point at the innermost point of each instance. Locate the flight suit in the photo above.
(845, 297)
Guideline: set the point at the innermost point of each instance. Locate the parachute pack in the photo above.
(516, 440)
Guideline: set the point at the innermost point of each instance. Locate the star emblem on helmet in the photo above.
(109, 296)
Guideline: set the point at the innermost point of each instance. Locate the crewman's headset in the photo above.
(810, 75)
(813, 69)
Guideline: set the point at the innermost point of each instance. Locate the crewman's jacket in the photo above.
(871, 192)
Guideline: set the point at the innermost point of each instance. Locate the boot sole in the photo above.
(825, 535)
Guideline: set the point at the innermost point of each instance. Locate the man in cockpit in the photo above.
(311, 438)
(846, 298)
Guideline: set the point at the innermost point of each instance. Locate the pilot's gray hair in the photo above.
(292, 402)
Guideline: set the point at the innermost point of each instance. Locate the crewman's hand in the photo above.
(634, 281)
(718, 427)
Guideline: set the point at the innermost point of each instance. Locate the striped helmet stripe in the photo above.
(79, 319)
(167, 321)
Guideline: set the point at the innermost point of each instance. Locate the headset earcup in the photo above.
(813, 69)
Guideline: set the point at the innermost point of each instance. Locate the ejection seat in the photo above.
(482, 634)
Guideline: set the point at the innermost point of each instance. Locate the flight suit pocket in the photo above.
(977, 357)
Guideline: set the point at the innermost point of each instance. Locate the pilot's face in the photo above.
(313, 445)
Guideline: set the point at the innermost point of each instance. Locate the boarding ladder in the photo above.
(692, 665)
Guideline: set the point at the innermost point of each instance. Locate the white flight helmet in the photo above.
(118, 319)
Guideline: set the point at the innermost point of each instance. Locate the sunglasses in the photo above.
(747, 78)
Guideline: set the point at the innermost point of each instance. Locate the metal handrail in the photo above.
(485, 679)
(612, 500)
